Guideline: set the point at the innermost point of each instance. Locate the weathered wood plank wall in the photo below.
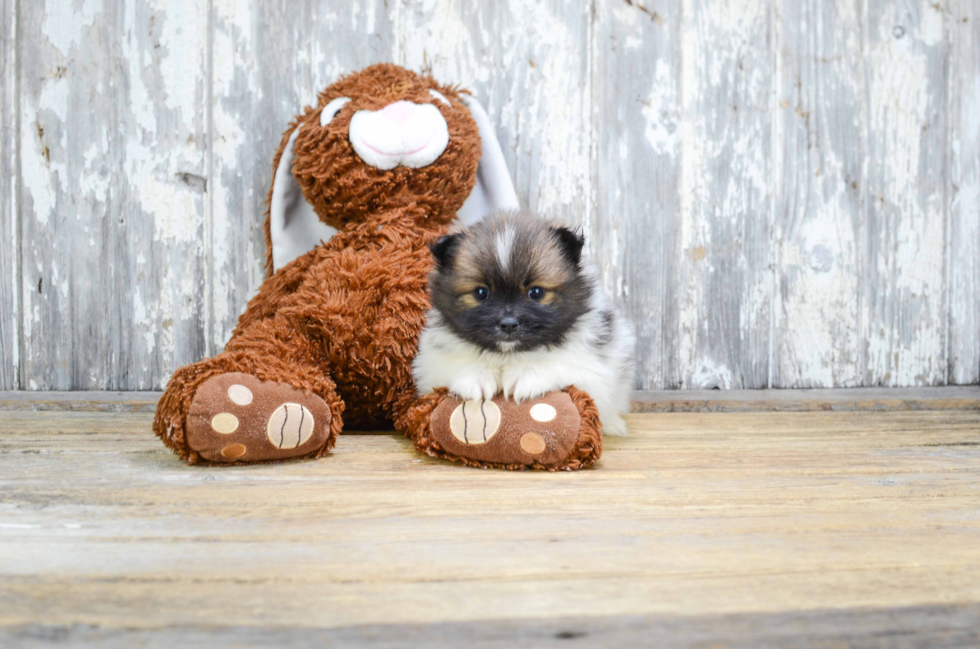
(9, 264)
(963, 191)
(782, 194)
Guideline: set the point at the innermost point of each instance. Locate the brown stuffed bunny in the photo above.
(368, 179)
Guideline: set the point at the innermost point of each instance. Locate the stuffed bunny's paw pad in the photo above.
(236, 417)
(539, 433)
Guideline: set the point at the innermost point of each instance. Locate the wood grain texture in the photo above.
(837, 399)
(682, 189)
(963, 26)
(635, 228)
(95, 401)
(779, 194)
(113, 164)
(905, 299)
(159, 256)
(819, 182)
(723, 327)
(831, 399)
(722, 332)
(771, 519)
(62, 278)
(9, 234)
(909, 627)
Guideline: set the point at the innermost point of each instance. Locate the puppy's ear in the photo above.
(444, 250)
(570, 242)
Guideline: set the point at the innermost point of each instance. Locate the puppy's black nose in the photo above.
(509, 325)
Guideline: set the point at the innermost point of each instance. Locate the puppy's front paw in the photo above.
(528, 384)
(472, 386)
(614, 425)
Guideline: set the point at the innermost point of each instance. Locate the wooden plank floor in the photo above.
(703, 529)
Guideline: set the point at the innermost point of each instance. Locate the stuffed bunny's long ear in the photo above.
(294, 227)
(494, 189)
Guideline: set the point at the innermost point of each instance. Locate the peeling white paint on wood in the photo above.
(905, 304)
(164, 166)
(721, 335)
(63, 280)
(113, 160)
(9, 261)
(635, 226)
(963, 192)
(820, 152)
(780, 193)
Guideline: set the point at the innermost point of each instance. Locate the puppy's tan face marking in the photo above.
(549, 268)
(468, 300)
(467, 278)
(507, 256)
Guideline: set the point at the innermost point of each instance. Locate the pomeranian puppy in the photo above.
(517, 310)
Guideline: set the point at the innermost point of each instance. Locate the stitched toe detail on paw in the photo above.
(475, 422)
(235, 417)
(541, 432)
(290, 426)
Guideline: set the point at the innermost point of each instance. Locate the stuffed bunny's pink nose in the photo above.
(401, 133)
(399, 112)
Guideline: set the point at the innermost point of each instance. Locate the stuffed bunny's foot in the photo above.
(236, 417)
(559, 430)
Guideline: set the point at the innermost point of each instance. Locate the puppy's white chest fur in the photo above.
(596, 356)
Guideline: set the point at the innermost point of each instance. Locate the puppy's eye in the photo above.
(438, 96)
(536, 293)
(481, 293)
(330, 110)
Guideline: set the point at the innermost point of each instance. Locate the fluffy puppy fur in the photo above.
(517, 310)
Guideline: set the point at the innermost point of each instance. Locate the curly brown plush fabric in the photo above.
(340, 325)
(342, 189)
